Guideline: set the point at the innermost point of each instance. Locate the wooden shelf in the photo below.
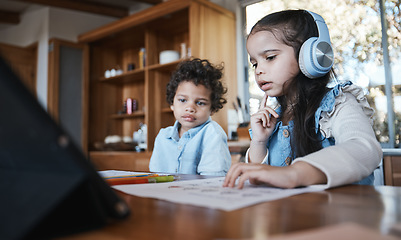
(206, 28)
(133, 115)
(165, 67)
(139, 74)
(130, 76)
(158, 11)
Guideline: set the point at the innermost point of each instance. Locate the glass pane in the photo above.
(355, 31)
(392, 9)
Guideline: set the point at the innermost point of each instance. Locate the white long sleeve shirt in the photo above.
(356, 152)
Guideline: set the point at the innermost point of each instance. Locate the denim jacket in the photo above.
(279, 148)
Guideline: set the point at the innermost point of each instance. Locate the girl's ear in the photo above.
(172, 107)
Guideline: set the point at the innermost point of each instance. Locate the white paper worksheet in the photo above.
(210, 193)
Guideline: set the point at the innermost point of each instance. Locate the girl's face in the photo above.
(191, 105)
(274, 62)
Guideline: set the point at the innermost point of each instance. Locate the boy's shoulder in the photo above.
(166, 131)
(213, 126)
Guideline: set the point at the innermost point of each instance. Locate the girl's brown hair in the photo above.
(303, 95)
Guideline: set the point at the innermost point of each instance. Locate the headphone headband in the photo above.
(321, 26)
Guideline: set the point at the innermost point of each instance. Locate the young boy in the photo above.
(195, 144)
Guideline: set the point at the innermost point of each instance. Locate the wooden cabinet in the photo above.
(23, 61)
(392, 170)
(208, 30)
(120, 160)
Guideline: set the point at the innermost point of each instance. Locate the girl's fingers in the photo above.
(264, 118)
(250, 174)
(272, 112)
(269, 110)
(263, 106)
(232, 175)
(241, 180)
(240, 170)
(264, 100)
(264, 115)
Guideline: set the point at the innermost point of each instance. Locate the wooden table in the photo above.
(377, 208)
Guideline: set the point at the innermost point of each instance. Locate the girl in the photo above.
(317, 135)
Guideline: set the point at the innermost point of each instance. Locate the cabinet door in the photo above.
(392, 170)
(212, 36)
(23, 61)
(67, 89)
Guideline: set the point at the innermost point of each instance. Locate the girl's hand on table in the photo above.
(294, 175)
(257, 174)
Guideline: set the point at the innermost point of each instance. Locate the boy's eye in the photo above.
(269, 58)
(182, 100)
(200, 103)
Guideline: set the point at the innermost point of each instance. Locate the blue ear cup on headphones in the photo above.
(316, 55)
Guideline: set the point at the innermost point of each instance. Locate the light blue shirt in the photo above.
(279, 143)
(201, 150)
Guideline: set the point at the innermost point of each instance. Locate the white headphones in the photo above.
(316, 56)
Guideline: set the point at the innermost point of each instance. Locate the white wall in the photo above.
(228, 4)
(41, 71)
(32, 28)
(39, 24)
(33, 23)
(68, 24)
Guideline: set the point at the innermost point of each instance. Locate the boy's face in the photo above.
(192, 105)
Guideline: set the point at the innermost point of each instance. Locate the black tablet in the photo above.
(48, 188)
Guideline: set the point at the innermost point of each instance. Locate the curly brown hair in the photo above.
(199, 71)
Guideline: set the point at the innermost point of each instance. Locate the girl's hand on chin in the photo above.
(263, 121)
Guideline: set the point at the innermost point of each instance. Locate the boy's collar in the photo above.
(191, 132)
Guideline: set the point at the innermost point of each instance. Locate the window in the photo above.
(357, 36)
